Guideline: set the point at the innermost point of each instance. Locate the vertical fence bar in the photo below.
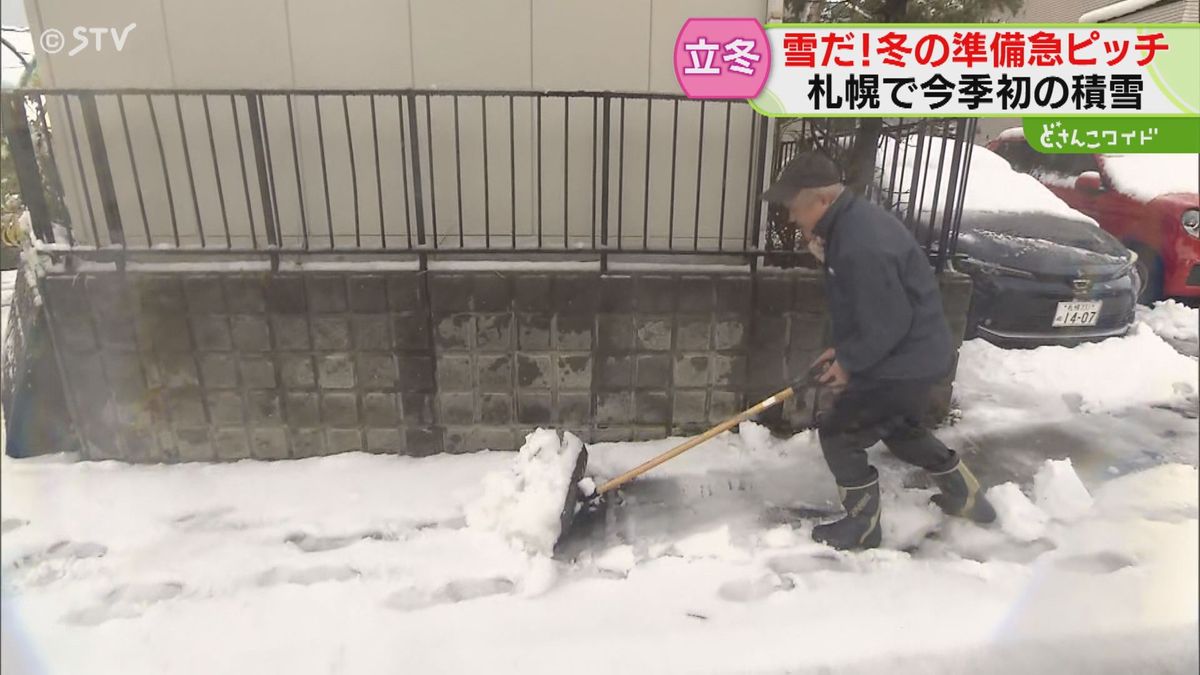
(415, 145)
(674, 157)
(137, 180)
(300, 192)
(237, 132)
(595, 169)
(212, 147)
(724, 177)
(353, 172)
(187, 164)
(458, 174)
(916, 167)
(620, 173)
(87, 196)
(646, 191)
(254, 111)
(749, 186)
(29, 176)
(757, 187)
(379, 175)
(604, 187)
(699, 175)
(324, 167)
(937, 193)
(951, 198)
(566, 169)
(162, 156)
(512, 168)
(432, 171)
(487, 203)
(408, 215)
(539, 171)
(266, 131)
(968, 133)
(53, 178)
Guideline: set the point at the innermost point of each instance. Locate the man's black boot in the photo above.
(860, 528)
(961, 494)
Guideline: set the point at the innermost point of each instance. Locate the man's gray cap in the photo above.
(806, 170)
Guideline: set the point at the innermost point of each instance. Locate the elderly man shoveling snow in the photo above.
(891, 345)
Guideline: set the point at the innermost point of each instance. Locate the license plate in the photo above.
(1077, 314)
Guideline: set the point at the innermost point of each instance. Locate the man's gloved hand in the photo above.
(834, 376)
(815, 371)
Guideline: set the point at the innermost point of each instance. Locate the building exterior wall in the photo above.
(528, 45)
(203, 366)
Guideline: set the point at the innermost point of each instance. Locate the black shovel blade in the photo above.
(567, 516)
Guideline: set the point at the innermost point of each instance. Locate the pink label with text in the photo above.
(722, 58)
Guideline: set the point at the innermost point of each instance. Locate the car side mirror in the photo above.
(1089, 182)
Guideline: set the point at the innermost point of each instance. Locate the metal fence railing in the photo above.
(920, 173)
(353, 171)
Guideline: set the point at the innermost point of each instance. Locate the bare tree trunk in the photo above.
(860, 166)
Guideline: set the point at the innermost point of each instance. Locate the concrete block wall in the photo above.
(222, 366)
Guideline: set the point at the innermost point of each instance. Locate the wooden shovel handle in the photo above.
(693, 442)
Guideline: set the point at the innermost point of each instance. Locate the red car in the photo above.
(1150, 202)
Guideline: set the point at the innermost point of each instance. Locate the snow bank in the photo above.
(1146, 176)
(1137, 369)
(525, 503)
(1059, 492)
(1172, 320)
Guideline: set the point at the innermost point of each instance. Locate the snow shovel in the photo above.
(575, 495)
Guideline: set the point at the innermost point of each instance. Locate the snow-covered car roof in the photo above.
(1148, 176)
(992, 186)
(1143, 176)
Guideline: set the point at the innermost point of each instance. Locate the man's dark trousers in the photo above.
(869, 411)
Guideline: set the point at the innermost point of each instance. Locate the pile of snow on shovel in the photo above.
(525, 502)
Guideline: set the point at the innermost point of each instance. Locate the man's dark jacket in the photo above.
(884, 301)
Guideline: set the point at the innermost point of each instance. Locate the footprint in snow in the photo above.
(209, 520)
(306, 576)
(459, 590)
(311, 543)
(316, 543)
(63, 550)
(9, 524)
(751, 590)
(1103, 562)
(124, 602)
(802, 564)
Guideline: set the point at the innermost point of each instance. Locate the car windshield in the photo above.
(1043, 231)
(1148, 176)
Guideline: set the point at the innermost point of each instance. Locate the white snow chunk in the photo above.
(1019, 517)
(710, 544)
(1058, 491)
(525, 503)
(782, 536)
(540, 577)
(755, 437)
(1146, 176)
(617, 559)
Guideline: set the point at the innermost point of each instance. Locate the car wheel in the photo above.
(1150, 275)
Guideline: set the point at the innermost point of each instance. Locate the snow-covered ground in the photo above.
(367, 564)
